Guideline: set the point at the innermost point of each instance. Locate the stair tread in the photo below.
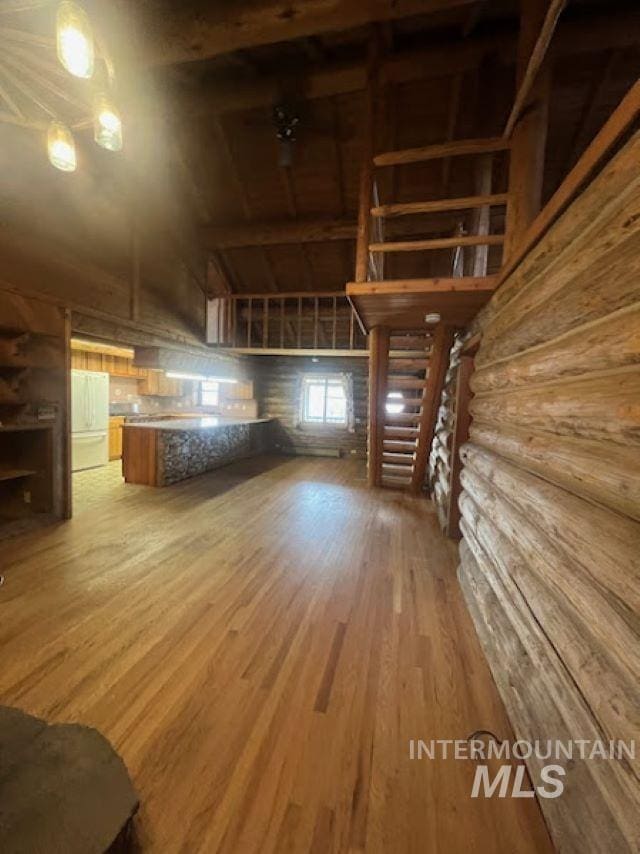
(402, 418)
(394, 446)
(398, 468)
(404, 382)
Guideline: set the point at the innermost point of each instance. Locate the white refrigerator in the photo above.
(89, 419)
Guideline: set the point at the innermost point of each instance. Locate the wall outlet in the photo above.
(27, 496)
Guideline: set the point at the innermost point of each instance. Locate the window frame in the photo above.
(322, 379)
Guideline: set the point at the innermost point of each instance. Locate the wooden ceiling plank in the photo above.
(220, 30)
(573, 38)
(601, 79)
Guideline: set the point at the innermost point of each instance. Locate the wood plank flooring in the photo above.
(260, 644)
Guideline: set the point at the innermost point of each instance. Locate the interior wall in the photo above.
(551, 501)
(171, 304)
(278, 380)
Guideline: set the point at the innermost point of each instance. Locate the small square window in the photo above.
(209, 393)
(324, 400)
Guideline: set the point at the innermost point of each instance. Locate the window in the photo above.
(394, 404)
(324, 400)
(209, 393)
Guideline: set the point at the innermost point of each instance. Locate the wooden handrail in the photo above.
(272, 295)
(440, 205)
(440, 243)
(443, 149)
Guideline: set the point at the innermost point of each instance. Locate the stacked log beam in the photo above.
(550, 504)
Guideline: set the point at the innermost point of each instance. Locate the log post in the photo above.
(459, 437)
(529, 137)
(378, 363)
(366, 174)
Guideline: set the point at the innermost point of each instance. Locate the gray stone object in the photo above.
(63, 788)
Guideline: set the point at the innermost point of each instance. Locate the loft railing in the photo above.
(472, 236)
(285, 323)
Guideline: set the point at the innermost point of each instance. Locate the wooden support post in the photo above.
(438, 364)
(281, 323)
(460, 436)
(529, 137)
(299, 322)
(351, 329)
(265, 323)
(482, 216)
(366, 174)
(315, 322)
(378, 365)
(234, 323)
(335, 321)
(249, 322)
(134, 284)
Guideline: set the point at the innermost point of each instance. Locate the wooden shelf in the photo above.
(15, 474)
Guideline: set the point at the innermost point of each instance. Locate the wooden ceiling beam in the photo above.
(573, 37)
(249, 23)
(279, 233)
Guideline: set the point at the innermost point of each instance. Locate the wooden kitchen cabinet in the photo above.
(116, 424)
(156, 384)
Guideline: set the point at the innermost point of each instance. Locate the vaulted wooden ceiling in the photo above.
(201, 133)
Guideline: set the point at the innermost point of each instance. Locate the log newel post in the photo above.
(378, 364)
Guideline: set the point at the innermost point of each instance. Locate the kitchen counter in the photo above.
(159, 453)
(205, 422)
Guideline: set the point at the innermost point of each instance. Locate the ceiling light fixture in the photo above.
(432, 317)
(74, 39)
(107, 125)
(61, 147)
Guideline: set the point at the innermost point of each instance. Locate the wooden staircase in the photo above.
(407, 374)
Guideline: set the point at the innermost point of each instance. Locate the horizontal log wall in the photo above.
(550, 559)
(278, 382)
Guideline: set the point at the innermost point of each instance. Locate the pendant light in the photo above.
(107, 125)
(61, 147)
(74, 39)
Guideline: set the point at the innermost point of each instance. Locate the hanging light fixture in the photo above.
(107, 125)
(61, 147)
(74, 39)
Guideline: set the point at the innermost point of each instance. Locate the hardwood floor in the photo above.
(260, 644)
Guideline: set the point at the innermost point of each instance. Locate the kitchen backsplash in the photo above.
(124, 398)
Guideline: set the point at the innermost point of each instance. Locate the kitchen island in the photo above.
(159, 453)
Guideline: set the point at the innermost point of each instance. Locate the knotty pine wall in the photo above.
(550, 556)
(277, 385)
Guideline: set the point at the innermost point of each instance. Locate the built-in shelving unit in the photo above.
(34, 377)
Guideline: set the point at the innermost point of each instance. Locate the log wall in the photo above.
(550, 559)
(278, 381)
